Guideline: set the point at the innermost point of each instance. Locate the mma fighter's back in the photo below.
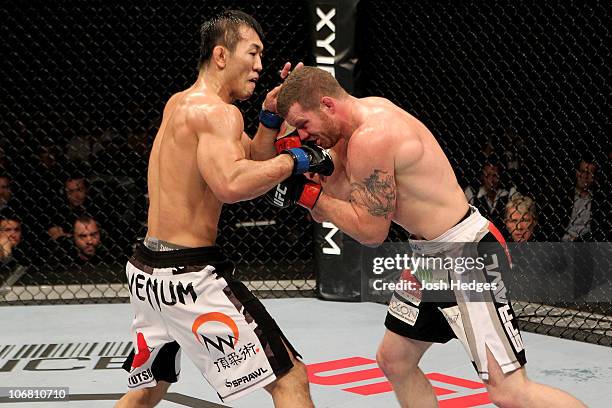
(182, 208)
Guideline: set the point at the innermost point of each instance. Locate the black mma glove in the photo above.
(310, 158)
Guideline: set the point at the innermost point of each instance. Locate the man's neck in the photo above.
(213, 82)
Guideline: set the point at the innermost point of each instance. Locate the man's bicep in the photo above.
(219, 148)
(372, 180)
(217, 155)
(374, 191)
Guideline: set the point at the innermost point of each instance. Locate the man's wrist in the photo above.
(317, 210)
(287, 163)
(270, 119)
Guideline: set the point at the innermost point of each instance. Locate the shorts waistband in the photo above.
(156, 244)
(465, 216)
(211, 255)
(471, 228)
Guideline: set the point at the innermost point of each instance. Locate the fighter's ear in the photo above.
(328, 104)
(219, 56)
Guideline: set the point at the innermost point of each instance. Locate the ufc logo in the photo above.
(279, 195)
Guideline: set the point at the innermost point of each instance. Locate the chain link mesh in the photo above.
(517, 94)
(83, 91)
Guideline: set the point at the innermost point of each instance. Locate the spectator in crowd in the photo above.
(22, 242)
(587, 215)
(76, 191)
(83, 247)
(86, 236)
(12, 203)
(521, 218)
(541, 272)
(579, 203)
(10, 237)
(76, 202)
(11, 251)
(578, 216)
(490, 198)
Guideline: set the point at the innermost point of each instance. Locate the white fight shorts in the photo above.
(475, 308)
(186, 299)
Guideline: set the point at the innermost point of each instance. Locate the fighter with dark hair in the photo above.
(181, 287)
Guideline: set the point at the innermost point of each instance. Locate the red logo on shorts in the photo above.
(143, 351)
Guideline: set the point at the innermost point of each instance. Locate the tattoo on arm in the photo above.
(376, 193)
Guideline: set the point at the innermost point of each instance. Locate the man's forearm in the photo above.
(342, 214)
(251, 179)
(262, 145)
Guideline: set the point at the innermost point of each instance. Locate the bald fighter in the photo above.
(181, 287)
(390, 168)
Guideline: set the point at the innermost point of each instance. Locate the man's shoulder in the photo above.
(206, 111)
(380, 132)
(373, 130)
(386, 118)
(367, 139)
(377, 101)
(380, 107)
(371, 145)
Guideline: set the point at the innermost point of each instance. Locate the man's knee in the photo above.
(390, 365)
(397, 361)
